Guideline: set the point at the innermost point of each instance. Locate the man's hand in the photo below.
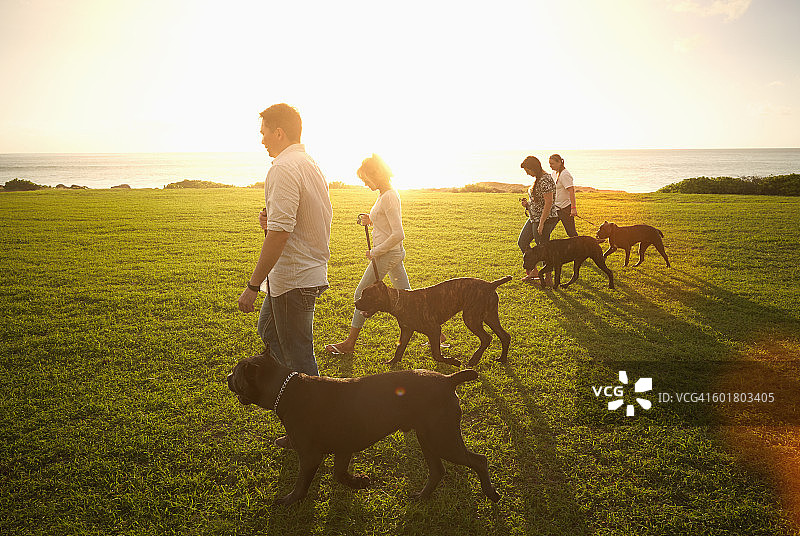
(246, 300)
(271, 249)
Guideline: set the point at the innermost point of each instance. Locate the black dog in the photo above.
(554, 253)
(626, 237)
(426, 309)
(342, 416)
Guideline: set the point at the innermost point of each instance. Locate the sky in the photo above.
(418, 82)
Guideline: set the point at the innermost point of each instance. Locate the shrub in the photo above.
(22, 185)
(339, 184)
(774, 185)
(186, 183)
(491, 187)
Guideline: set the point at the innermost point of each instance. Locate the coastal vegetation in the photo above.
(788, 185)
(195, 184)
(334, 185)
(119, 327)
(22, 185)
(782, 185)
(489, 187)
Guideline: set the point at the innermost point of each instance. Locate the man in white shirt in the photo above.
(293, 265)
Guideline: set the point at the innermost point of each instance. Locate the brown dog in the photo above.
(342, 416)
(426, 309)
(626, 237)
(554, 253)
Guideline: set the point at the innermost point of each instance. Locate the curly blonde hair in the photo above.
(376, 170)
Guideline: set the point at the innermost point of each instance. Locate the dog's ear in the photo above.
(265, 359)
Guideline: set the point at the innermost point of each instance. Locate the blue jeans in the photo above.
(531, 232)
(286, 324)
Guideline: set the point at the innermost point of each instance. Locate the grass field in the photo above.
(119, 326)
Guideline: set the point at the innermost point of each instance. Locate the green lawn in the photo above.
(119, 327)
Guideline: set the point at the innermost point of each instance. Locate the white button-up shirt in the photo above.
(298, 202)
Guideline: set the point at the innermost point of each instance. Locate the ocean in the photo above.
(627, 170)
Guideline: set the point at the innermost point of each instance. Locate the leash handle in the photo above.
(527, 209)
(372, 261)
(369, 247)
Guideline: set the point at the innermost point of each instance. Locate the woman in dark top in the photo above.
(542, 212)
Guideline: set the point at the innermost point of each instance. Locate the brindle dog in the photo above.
(426, 309)
(342, 416)
(626, 237)
(554, 253)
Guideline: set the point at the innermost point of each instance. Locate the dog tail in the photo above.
(497, 282)
(659, 232)
(466, 375)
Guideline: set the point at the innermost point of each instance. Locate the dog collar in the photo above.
(280, 393)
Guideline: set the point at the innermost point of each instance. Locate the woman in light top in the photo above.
(387, 237)
(565, 195)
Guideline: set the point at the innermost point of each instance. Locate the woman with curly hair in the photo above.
(542, 213)
(387, 251)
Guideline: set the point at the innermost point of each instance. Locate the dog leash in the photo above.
(280, 394)
(528, 213)
(369, 246)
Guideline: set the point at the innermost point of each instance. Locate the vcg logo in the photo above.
(617, 392)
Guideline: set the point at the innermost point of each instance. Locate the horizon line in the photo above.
(467, 151)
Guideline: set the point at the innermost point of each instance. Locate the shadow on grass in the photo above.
(729, 313)
(549, 498)
(690, 336)
(693, 348)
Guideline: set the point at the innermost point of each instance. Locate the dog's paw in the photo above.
(493, 495)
